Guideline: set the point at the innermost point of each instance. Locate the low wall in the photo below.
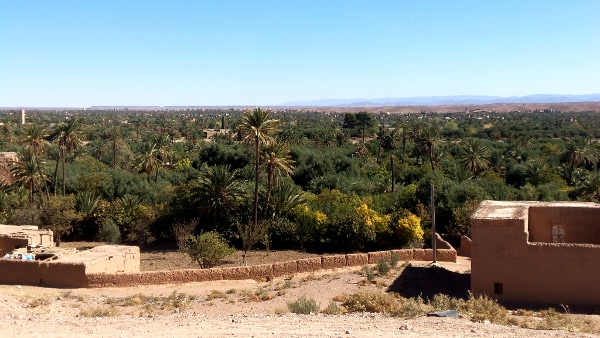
(465, 247)
(98, 280)
(74, 275)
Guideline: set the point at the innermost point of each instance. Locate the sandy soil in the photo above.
(237, 309)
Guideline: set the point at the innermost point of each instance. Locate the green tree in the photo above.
(364, 122)
(25, 173)
(578, 151)
(35, 141)
(474, 156)
(148, 162)
(256, 126)
(218, 190)
(277, 162)
(70, 138)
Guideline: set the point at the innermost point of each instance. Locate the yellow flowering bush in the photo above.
(408, 228)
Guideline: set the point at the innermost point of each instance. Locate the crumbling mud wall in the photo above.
(259, 272)
(508, 266)
(71, 269)
(20, 236)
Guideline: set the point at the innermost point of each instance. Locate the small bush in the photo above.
(555, 320)
(369, 273)
(410, 308)
(394, 259)
(371, 300)
(383, 267)
(207, 249)
(303, 306)
(99, 312)
(484, 308)
(332, 309)
(441, 302)
(182, 231)
(109, 232)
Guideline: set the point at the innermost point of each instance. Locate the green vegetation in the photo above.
(303, 306)
(286, 179)
(207, 249)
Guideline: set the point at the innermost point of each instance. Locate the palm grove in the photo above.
(324, 182)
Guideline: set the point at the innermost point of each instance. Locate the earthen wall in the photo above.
(505, 266)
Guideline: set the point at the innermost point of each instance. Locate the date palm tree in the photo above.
(218, 189)
(70, 138)
(578, 152)
(429, 139)
(25, 173)
(277, 162)
(35, 142)
(474, 156)
(256, 126)
(149, 161)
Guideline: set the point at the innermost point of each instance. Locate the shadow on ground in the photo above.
(425, 281)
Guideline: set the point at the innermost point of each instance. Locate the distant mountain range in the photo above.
(443, 100)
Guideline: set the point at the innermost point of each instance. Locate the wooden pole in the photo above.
(433, 237)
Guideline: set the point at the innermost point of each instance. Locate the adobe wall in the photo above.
(71, 270)
(97, 280)
(118, 266)
(17, 236)
(465, 247)
(505, 266)
(579, 222)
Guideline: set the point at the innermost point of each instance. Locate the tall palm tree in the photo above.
(218, 189)
(70, 138)
(578, 151)
(25, 173)
(285, 197)
(115, 137)
(429, 140)
(256, 126)
(591, 186)
(277, 162)
(163, 151)
(474, 156)
(149, 161)
(35, 142)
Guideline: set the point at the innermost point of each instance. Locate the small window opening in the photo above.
(498, 288)
(558, 234)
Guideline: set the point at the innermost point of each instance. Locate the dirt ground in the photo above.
(245, 308)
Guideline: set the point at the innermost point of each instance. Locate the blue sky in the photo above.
(242, 52)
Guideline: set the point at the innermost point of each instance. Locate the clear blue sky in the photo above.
(251, 52)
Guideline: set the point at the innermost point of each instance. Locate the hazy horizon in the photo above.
(263, 53)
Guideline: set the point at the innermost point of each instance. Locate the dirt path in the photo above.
(225, 309)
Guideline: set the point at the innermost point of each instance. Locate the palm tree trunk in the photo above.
(64, 180)
(56, 171)
(256, 146)
(37, 162)
(268, 195)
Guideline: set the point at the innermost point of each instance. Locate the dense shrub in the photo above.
(207, 249)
